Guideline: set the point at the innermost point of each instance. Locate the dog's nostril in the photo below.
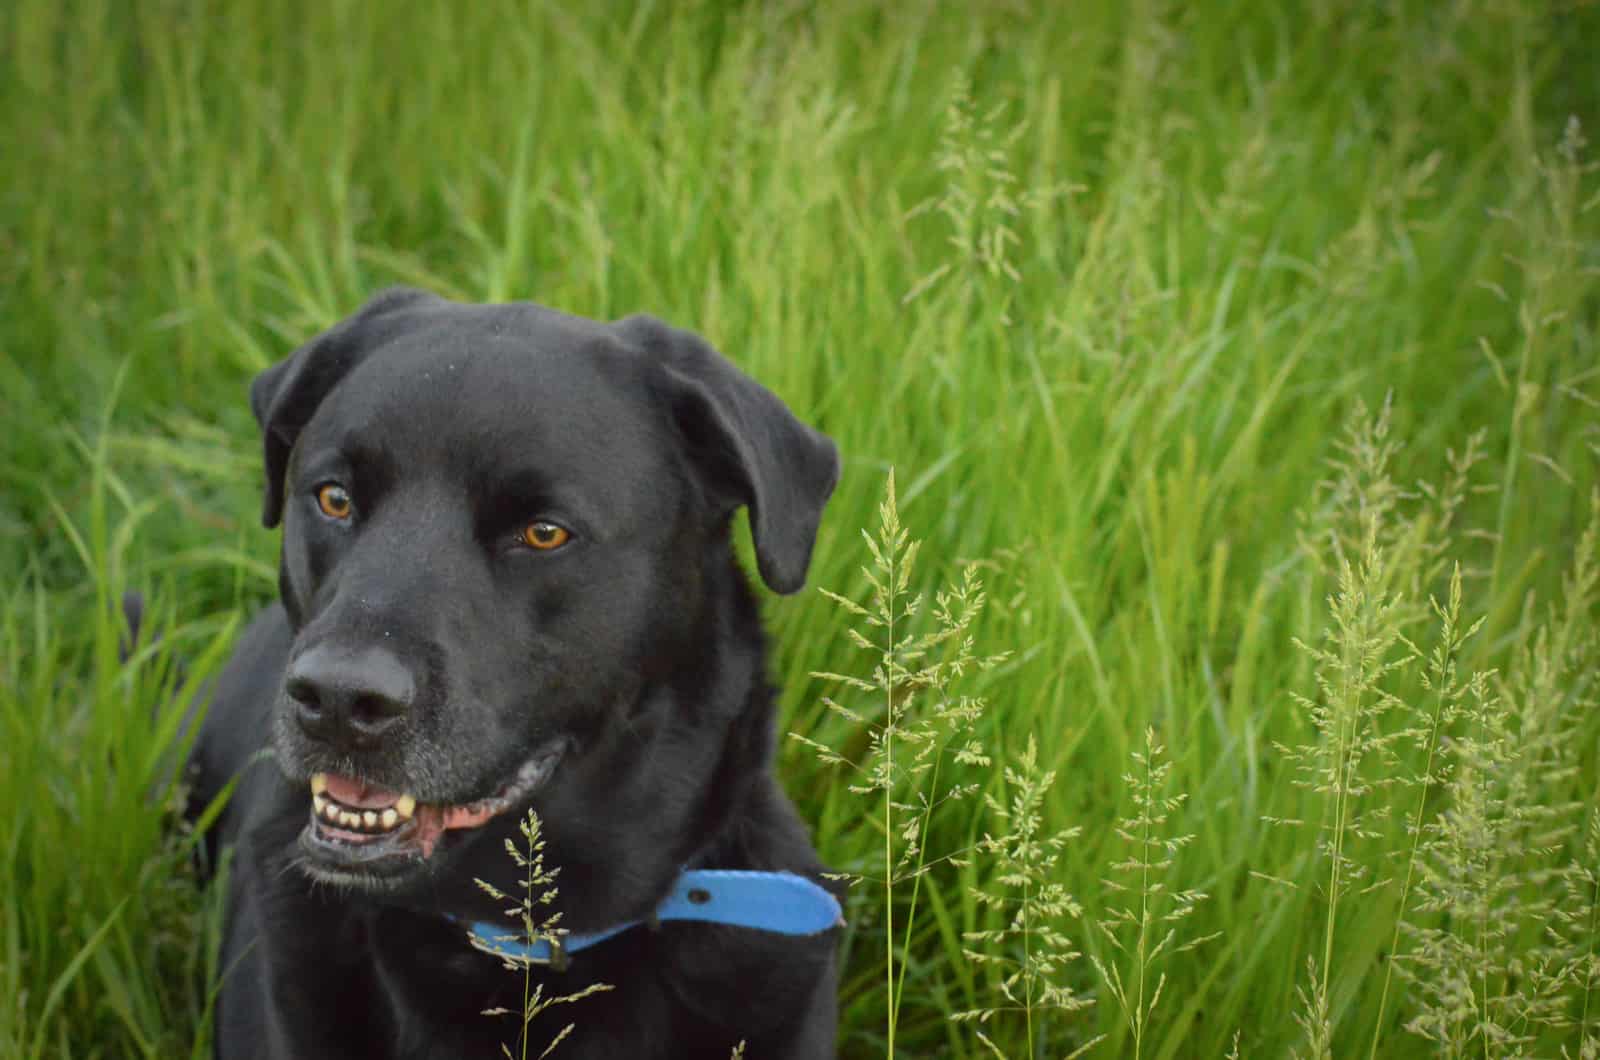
(305, 694)
(374, 712)
(308, 712)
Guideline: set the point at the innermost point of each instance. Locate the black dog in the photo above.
(506, 583)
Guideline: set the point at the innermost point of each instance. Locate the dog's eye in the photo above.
(543, 536)
(333, 500)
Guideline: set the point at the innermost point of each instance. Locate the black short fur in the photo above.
(637, 647)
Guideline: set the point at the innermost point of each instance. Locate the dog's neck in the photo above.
(720, 689)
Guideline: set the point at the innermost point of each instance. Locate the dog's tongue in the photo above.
(358, 793)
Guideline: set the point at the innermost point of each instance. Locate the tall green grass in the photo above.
(1216, 342)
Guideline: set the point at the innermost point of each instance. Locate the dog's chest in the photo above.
(449, 1000)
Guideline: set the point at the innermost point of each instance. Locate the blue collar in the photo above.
(770, 901)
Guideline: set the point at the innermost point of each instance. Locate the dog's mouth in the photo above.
(363, 832)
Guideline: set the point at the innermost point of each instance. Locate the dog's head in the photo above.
(502, 527)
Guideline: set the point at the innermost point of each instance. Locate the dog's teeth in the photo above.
(349, 820)
(390, 818)
(369, 819)
(405, 806)
(319, 802)
(319, 783)
(330, 811)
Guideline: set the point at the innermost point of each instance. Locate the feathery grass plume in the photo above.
(1360, 535)
(538, 892)
(1483, 977)
(1577, 914)
(1556, 279)
(1353, 756)
(1144, 929)
(1411, 527)
(1578, 917)
(914, 716)
(1444, 702)
(1314, 1018)
(1441, 504)
(1384, 546)
(1550, 694)
(1508, 938)
(1024, 859)
(979, 198)
(1552, 683)
(1359, 497)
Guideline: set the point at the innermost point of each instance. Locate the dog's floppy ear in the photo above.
(285, 396)
(749, 447)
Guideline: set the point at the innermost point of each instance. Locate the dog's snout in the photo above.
(349, 700)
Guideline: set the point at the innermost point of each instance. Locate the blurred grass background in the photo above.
(1104, 283)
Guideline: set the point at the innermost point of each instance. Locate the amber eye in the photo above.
(334, 501)
(543, 536)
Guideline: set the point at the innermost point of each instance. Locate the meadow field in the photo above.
(1234, 367)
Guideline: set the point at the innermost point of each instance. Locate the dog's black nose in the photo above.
(349, 700)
